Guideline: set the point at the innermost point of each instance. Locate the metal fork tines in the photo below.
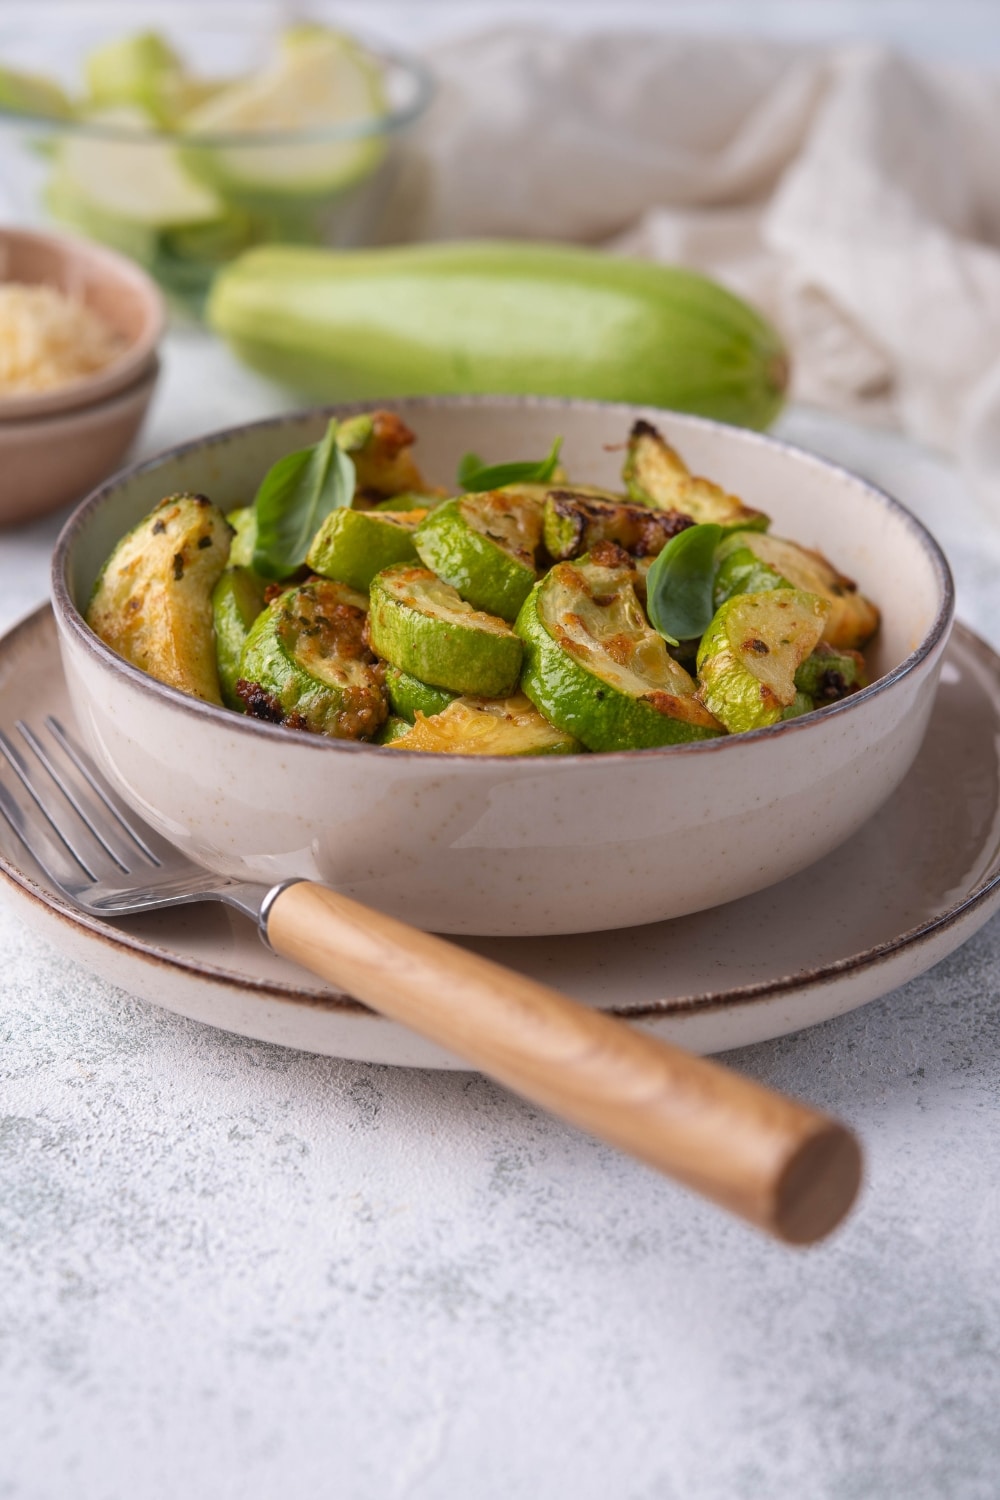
(88, 843)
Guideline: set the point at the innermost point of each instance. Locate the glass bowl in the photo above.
(184, 204)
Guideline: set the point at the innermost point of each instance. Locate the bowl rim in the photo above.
(125, 368)
(70, 616)
(367, 127)
(73, 418)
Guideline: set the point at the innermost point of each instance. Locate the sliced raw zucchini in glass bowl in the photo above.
(183, 169)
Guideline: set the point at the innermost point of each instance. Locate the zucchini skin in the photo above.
(237, 600)
(352, 546)
(465, 656)
(486, 574)
(499, 317)
(306, 665)
(408, 696)
(581, 704)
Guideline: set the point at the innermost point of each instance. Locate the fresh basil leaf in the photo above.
(679, 584)
(474, 477)
(295, 497)
(468, 466)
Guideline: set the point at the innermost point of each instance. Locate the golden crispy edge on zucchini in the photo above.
(655, 474)
(307, 664)
(750, 653)
(153, 601)
(853, 619)
(487, 726)
(379, 444)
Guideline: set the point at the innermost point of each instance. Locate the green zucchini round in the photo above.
(423, 626)
(595, 668)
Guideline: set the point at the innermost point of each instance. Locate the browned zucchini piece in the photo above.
(655, 474)
(153, 600)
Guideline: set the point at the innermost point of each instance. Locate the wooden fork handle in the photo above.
(786, 1168)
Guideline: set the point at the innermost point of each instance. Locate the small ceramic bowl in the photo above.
(518, 846)
(46, 462)
(55, 445)
(120, 293)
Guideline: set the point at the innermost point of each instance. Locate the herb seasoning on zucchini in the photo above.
(423, 626)
(153, 600)
(529, 615)
(594, 666)
(306, 664)
(485, 546)
(656, 475)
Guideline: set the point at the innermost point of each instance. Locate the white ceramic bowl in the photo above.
(493, 845)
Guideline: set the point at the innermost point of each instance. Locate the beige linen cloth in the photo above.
(854, 195)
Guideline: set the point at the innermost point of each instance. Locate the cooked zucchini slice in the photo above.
(541, 492)
(244, 523)
(575, 522)
(423, 626)
(752, 562)
(655, 474)
(237, 600)
(306, 664)
(410, 500)
(828, 675)
(379, 443)
(740, 571)
(485, 546)
(800, 704)
(352, 546)
(153, 600)
(489, 726)
(596, 669)
(750, 653)
(408, 696)
(393, 730)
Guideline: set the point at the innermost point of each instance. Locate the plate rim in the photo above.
(688, 1005)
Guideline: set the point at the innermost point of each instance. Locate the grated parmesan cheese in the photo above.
(48, 339)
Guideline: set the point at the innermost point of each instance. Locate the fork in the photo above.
(778, 1163)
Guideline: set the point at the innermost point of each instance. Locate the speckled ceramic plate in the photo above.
(913, 885)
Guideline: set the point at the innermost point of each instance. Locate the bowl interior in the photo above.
(865, 533)
(117, 291)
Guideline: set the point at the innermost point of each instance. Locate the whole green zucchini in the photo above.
(499, 317)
